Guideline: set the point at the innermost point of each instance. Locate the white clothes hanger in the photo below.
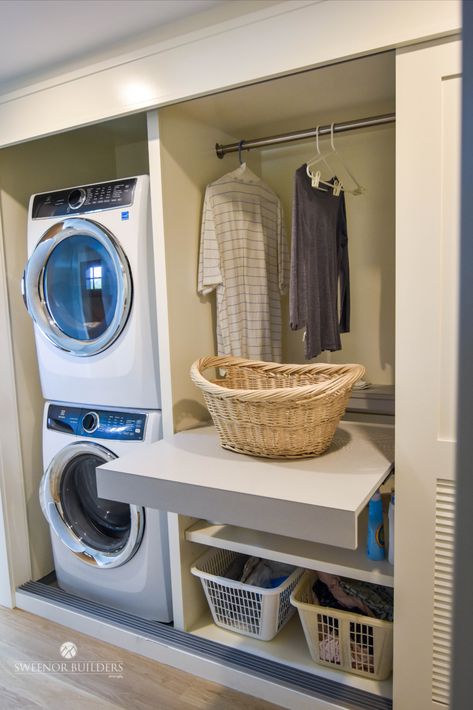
(316, 177)
(359, 189)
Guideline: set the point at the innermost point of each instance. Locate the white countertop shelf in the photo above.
(301, 553)
(317, 499)
(288, 647)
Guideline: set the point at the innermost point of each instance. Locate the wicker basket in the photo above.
(273, 410)
(338, 639)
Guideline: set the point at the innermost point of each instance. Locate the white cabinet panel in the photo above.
(427, 243)
(449, 168)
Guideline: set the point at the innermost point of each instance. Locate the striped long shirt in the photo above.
(244, 257)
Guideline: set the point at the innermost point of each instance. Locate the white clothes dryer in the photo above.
(104, 551)
(89, 287)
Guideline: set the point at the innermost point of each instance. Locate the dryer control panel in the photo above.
(97, 423)
(85, 198)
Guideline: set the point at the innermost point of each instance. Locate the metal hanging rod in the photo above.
(222, 150)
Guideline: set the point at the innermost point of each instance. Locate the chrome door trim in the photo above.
(33, 286)
(49, 496)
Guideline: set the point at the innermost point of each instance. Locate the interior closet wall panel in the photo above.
(188, 164)
(427, 233)
(130, 158)
(13, 204)
(15, 559)
(6, 591)
(186, 594)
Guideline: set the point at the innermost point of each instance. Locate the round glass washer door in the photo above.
(101, 532)
(77, 286)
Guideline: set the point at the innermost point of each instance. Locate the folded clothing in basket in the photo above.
(257, 572)
(378, 598)
(353, 595)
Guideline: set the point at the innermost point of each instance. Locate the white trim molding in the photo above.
(284, 38)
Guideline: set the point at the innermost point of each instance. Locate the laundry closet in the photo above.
(188, 133)
(175, 144)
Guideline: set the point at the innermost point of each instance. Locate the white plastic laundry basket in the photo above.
(339, 639)
(252, 611)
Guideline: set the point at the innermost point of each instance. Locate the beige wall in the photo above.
(82, 156)
(370, 157)
(189, 163)
(131, 158)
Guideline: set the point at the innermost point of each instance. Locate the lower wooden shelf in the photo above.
(289, 647)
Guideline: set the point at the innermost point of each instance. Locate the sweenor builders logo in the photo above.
(68, 651)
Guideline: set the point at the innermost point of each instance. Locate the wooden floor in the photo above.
(144, 685)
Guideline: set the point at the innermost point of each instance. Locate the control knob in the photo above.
(76, 198)
(90, 422)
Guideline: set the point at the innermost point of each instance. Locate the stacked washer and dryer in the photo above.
(89, 288)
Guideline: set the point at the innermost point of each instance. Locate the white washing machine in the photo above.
(89, 288)
(105, 551)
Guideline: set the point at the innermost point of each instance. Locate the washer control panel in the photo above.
(97, 423)
(83, 199)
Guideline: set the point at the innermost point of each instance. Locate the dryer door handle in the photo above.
(23, 290)
(60, 528)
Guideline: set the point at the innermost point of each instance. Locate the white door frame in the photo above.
(463, 572)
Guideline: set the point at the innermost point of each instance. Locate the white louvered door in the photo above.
(427, 234)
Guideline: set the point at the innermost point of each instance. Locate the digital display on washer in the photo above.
(83, 199)
(97, 423)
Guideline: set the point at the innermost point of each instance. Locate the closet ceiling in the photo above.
(366, 86)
